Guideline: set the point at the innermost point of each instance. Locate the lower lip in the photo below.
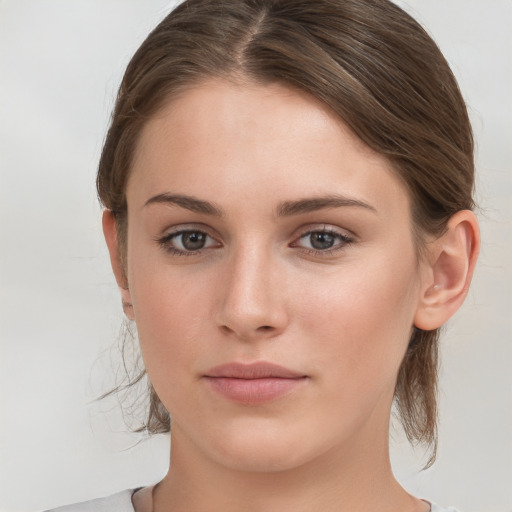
(254, 391)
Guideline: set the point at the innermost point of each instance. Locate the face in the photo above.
(273, 276)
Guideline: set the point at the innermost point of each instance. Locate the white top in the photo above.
(122, 502)
(119, 502)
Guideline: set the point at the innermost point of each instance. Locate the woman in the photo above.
(288, 193)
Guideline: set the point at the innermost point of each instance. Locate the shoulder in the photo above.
(119, 502)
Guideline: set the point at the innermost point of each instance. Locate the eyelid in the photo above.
(330, 228)
(164, 240)
(345, 238)
(180, 228)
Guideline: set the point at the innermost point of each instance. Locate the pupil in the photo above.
(193, 241)
(322, 240)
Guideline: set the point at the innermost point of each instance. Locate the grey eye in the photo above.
(187, 242)
(191, 240)
(321, 240)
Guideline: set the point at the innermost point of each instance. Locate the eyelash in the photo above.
(344, 240)
(166, 240)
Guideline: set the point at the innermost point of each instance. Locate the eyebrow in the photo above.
(319, 203)
(285, 209)
(188, 202)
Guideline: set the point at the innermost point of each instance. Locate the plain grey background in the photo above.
(60, 64)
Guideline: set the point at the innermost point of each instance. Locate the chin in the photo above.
(263, 449)
(261, 459)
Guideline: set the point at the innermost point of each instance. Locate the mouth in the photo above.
(253, 384)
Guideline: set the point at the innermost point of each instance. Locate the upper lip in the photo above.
(258, 370)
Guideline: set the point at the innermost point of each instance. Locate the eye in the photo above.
(324, 241)
(186, 241)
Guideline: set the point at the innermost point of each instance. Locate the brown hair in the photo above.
(374, 65)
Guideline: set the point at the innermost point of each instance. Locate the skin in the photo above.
(257, 291)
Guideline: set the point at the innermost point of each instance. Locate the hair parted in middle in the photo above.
(372, 64)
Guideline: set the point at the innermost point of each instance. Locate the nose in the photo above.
(252, 293)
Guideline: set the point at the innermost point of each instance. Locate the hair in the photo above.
(373, 65)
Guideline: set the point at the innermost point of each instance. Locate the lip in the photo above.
(255, 383)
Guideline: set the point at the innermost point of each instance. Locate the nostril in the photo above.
(263, 328)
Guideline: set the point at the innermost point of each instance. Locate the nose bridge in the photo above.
(250, 303)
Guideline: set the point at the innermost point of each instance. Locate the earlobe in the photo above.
(446, 279)
(110, 233)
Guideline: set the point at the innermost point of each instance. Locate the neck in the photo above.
(354, 478)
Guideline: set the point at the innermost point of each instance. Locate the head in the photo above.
(367, 66)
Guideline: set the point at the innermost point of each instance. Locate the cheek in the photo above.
(170, 313)
(361, 317)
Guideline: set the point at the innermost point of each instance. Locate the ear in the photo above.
(447, 274)
(110, 233)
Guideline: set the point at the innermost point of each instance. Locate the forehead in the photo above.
(219, 138)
